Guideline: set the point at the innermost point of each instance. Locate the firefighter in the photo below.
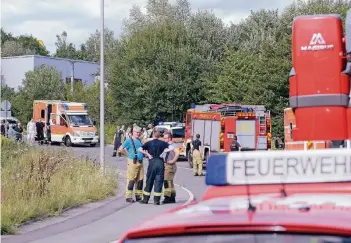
(135, 169)
(155, 171)
(197, 156)
(19, 130)
(117, 140)
(40, 131)
(171, 158)
(234, 145)
(149, 131)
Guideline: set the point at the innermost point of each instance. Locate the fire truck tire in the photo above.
(68, 142)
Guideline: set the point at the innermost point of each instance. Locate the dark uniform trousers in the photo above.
(155, 174)
(116, 144)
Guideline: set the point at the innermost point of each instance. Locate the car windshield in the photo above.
(178, 133)
(80, 120)
(244, 238)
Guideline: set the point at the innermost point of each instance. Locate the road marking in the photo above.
(191, 195)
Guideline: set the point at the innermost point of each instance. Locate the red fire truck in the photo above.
(320, 106)
(217, 125)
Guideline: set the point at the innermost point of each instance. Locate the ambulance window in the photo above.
(243, 238)
(42, 114)
(63, 120)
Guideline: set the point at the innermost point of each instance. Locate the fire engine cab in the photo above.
(218, 124)
(263, 196)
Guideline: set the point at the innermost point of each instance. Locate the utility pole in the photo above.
(102, 89)
(72, 77)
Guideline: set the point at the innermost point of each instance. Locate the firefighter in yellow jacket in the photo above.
(170, 169)
(197, 157)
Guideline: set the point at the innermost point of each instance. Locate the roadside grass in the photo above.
(41, 181)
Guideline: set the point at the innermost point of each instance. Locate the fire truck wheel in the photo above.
(68, 142)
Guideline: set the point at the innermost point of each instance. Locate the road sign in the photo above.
(6, 105)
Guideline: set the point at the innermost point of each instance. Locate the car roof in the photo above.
(272, 210)
(10, 119)
(177, 128)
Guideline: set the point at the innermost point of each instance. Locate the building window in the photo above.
(42, 115)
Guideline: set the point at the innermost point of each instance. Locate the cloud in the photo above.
(44, 19)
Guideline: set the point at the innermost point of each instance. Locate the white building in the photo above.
(14, 68)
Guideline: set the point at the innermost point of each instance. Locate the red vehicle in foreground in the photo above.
(264, 196)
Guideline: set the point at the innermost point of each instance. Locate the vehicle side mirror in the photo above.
(94, 123)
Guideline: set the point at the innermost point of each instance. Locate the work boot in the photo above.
(130, 200)
(172, 199)
(145, 200)
(195, 174)
(157, 202)
(114, 154)
(166, 200)
(119, 154)
(138, 198)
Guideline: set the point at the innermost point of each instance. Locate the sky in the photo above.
(44, 19)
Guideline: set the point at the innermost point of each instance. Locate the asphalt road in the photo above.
(108, 220)
(183, 177)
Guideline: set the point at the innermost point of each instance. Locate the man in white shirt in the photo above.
(170, 158)
(31, 131)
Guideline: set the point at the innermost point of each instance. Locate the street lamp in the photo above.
(72, 76)
(102, 90)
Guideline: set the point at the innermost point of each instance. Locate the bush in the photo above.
(110, 130)
(38, 181)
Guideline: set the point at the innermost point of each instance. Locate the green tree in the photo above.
(64, 49)
(90, 94)
(21, 45)
(43, 83)
(15, 48)
(6, 36)
(32, 43)
(93, 45)
(157, 70)
(7, 93)
(162, 58)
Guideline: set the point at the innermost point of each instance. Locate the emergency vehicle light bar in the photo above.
(277, 167)
(65, 106)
